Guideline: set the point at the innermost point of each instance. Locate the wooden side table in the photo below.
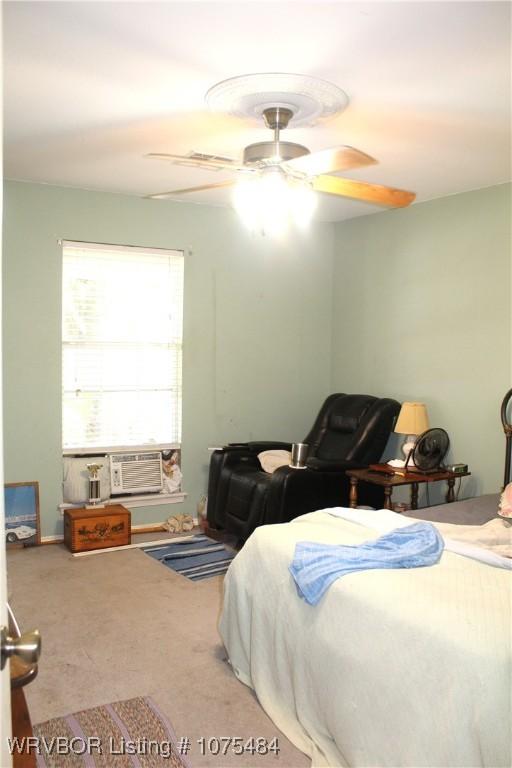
(389, 479)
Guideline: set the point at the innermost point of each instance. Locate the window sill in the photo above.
(107, 450)
(132, 501)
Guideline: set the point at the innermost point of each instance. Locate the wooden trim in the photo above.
(22, 728)
(148, 528)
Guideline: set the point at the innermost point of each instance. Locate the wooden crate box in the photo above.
(86, 529)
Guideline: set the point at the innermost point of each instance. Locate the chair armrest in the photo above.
(240, 458)
(257, 446)
(324, 465)
(267, 445)
(293, 492)
(232, 447)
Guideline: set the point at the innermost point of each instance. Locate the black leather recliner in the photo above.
(350, 431)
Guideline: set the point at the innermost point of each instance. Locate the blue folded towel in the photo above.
(315, 566)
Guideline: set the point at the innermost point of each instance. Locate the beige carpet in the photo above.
(116, 626)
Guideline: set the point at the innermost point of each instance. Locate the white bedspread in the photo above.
(392, 668)
(489, 543)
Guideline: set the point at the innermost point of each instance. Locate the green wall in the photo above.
(422, 300)
(257, 325)
(413, 304)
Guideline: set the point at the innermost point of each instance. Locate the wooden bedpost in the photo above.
(507, 428)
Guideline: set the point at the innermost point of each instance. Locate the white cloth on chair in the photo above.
(272, 460)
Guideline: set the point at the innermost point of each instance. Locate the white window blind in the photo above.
(122, 327)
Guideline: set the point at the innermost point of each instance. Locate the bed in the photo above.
(392, 667)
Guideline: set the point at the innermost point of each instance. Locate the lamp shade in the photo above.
(412, 419)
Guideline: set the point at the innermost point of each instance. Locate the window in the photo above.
(122, 312)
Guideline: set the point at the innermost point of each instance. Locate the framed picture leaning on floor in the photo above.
(22, 513)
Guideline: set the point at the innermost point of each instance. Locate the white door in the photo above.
(5, 692)
(5, 722)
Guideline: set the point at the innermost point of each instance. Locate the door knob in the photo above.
(27, 647)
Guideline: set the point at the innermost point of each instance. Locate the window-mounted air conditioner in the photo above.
(135, 472)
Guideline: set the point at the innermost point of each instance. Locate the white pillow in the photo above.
(272, 460)
(76, 478)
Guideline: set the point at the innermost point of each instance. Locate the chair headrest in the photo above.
(347, 412)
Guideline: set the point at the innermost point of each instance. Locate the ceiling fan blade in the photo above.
(361, 190)
(197, 160)
(164, 195)
(330, 161)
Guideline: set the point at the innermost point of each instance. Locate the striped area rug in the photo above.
(126, 734)
(197, 557)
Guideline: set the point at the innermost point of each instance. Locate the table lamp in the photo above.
(412, 421)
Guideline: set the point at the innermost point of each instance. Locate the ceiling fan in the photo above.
(292, 162)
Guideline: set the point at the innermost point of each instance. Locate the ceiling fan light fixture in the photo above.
(268, 202)
(243, 198)
(283, 101)
(266, 151)
(304, 204)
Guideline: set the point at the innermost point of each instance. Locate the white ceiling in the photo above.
(91, 87)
